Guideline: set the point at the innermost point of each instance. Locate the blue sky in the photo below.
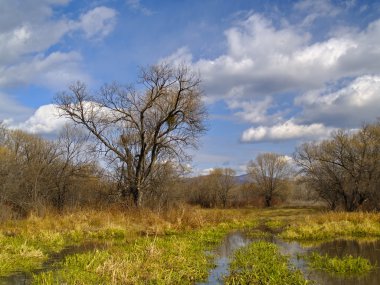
(274, 73)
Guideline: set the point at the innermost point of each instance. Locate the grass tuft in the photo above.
(262, 263)
(346, 266)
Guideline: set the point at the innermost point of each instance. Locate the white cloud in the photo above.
(55, 70)
(24, 43)
(45, 120)
(316, 9)
(98, 22)
(137, 6)
(285, 131)
(356, 102)
(254, 111)
(206, 171)
(28, 40)
(265, 60)
(267, 66)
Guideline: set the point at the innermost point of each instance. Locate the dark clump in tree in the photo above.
(141, 127)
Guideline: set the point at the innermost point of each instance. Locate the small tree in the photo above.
(141, 127)
(224, 181)
(74, 162)
(269, 172)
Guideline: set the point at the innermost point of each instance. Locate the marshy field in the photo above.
(191, 245)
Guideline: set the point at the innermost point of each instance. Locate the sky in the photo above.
(274, 73)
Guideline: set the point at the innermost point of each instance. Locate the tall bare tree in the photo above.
(269, 172)
(144, 125)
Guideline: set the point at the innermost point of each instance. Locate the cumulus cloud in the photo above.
(48, 119)
(206, 171)
(45, 120)
(23, 44)
(354, 103)
(285, 131)
(265, 60)
(255, 112)
(28, 38)
(280, 77)
(180, 56)
(98, 22)
(55, 70)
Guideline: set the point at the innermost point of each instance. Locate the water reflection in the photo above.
(340, 248)
(230, 243)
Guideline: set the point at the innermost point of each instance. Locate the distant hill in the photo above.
(244, 178)
(239, 179)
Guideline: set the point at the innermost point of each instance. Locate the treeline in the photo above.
(37, 174)
(344, 170)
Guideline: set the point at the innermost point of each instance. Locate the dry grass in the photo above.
(333, 225)
(131, 237)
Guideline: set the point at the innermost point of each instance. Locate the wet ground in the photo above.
(340, 248)
(235, 240)
(230, 243)
(25, 278)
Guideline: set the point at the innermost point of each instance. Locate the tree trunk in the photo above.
(268, 201)
(136, 195)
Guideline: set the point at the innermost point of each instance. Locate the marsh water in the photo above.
(223, 254)
(25, 278)
(340, 248)
(235, 240)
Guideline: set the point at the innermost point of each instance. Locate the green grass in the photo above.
(173, 247)
(26, 244)
(170, 259)
(262, 263)
(275, 224)
(25, 254)
(346, 266)
(257, 234)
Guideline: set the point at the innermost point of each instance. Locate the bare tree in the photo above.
(326, 179)
(141, 126)
(344, 170)
(74, 161)
(224, 181)
(269, 172)
(27, 181)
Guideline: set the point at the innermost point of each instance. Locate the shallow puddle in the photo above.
(223, 253)
(340, 248)
(25, 278)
